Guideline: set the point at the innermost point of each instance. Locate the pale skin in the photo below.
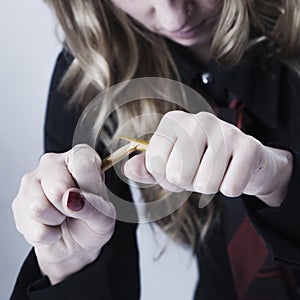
(68, 227)
(186, 148)
(65, 238)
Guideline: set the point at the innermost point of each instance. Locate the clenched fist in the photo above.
(201, 153)
(63, 212)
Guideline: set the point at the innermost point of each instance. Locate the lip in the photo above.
(187, 33)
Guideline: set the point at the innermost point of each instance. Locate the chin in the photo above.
(191, 43)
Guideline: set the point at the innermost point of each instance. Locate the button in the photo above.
(206, 78)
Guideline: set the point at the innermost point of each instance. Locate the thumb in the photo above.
(84, 164)
(135, 169)
(97, 213)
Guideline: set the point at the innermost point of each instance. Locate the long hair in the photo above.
(107, 46)
(276, 22)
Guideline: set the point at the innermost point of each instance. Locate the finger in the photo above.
(157, 154)
(239, 172)
(42, 211)
(34, 232)
(135, 170)
(210, 172)
(55, 178)
(84, 164)
(32, 201)
(185, 158)
(36, 205)
(216, 157)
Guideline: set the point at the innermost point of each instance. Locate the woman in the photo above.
(237, 54)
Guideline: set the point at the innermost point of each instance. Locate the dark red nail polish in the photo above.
(75, 201)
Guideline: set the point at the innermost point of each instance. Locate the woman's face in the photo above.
(186, 22)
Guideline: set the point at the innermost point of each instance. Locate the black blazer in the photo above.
(271, 94)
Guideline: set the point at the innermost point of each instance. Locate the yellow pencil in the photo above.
(121, 153)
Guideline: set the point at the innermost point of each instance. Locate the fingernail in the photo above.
(75, 201)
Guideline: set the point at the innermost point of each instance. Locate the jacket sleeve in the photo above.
(114, 275)
(89, 283)
(280, 227)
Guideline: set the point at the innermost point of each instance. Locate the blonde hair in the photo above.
(276, 22)
(107, 46)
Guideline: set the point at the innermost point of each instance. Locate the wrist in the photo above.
(59, 271)
(277, 174)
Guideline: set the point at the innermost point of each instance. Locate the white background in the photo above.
(28, 49)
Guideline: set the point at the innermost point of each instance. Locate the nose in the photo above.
(171, 15)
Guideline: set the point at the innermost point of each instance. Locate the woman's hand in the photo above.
(66, 225)
(201, 153)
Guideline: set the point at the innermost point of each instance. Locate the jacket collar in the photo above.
(255, 81)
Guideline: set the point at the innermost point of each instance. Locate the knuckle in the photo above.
(206, 116)
(55, 192)
(47, 158)
(38, 208)
(174, 114)
(83, 161)
(27, 178)
(83, 146)
(175, 117)
(250, 147)
(250, 142)
(84, 150)
(231, 133)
